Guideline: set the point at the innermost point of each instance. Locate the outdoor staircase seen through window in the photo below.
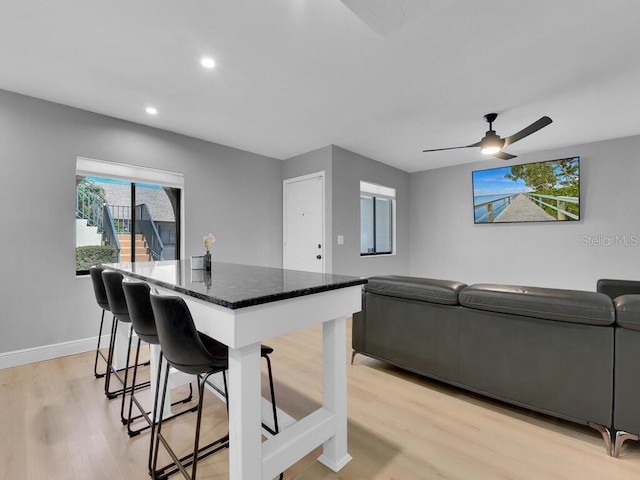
(142, 250)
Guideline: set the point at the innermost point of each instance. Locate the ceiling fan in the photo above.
(492, 144)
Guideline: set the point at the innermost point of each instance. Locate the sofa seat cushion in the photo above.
(628, 311)
(444, 292)
(574, 306)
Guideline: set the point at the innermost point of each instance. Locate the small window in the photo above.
(377, 219)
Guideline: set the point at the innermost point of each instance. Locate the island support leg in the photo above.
(334, 352)
(245, 422)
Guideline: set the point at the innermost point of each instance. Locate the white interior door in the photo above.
(303, 215)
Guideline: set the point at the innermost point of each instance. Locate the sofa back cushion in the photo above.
(430, 290)
(574, 306)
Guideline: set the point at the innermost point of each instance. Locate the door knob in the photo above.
(319, 257)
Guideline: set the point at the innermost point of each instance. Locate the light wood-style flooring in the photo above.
(55, 423)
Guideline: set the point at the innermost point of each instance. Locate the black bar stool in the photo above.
(192, 352)
(144, 324)
(118, 304)
(103, 303)
(102, 299)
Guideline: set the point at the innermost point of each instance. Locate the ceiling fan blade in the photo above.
(451, 148)
(525, 132)
(503, 155)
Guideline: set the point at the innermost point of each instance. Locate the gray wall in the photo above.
(344, 171)
(310, 162)
(230, 192)
(235, 194)
(319, 160)
(348, 170)
(445, 243)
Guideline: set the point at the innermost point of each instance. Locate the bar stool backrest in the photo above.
(98, 287)
(179, 340)
(115, 294)
(140, 311)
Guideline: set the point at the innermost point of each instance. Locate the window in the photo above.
(377, 219)
(122, 217)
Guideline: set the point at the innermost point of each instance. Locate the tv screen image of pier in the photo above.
(547, 191)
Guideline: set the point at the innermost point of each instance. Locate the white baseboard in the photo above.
(48, 352)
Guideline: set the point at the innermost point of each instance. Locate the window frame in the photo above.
(134, 174)
(377, 191)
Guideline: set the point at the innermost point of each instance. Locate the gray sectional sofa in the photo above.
(571, 354)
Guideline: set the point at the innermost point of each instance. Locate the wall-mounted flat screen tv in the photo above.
(546, 191)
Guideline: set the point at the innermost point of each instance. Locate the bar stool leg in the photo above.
(126, 376)
(155, 420)
(181, 464)
(158, 427)
(152, 463)
(98, 352)
(107, 380)
(273, 395)
(198, 423)
(273, 402)
(143, 413)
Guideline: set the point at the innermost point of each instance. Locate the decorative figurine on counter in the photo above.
(209, 240)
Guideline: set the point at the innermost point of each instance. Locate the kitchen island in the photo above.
(242, 305)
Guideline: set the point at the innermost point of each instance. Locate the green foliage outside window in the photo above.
(89, 198)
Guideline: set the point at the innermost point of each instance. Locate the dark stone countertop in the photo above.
(233, 285)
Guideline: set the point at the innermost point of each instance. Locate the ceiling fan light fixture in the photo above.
(491, 143)
(490, 150)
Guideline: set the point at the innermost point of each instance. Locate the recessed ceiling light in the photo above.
(152, 110)
(207, 62)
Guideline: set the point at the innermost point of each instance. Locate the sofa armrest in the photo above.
(614, 288)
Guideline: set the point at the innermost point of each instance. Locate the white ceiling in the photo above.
(296, 75)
